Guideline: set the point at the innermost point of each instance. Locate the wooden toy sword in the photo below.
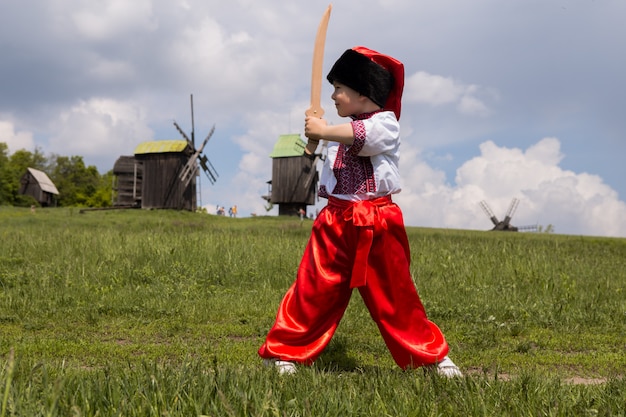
(316, 73)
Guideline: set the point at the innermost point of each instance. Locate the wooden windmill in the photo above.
(190, 170)
(504, 225)
(294, 176)
(312, 176)
(170, 169)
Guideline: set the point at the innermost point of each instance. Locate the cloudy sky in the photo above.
(503, 99)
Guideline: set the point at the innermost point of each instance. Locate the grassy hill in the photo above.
(133, 312)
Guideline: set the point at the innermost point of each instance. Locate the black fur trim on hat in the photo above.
(362, 75)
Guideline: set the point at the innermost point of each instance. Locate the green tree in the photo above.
(103, 195)
(79, 185)
(5, 194)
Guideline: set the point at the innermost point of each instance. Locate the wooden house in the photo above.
(128, 172)
(294, 176)
(162, 163)
(36, 184)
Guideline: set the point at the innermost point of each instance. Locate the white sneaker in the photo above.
(448, 369)
(283, 367)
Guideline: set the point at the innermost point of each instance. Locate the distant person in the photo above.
(234, 211)
(359, 239)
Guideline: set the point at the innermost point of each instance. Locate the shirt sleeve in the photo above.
(375, 136)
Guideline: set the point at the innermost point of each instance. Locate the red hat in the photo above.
(378, 77)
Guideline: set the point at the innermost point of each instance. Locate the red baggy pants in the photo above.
(362, 245)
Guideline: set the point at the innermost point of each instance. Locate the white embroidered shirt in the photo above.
(369, 167)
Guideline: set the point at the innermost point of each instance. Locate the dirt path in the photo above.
(574, 380)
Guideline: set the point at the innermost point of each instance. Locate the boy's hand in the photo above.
(314, 127)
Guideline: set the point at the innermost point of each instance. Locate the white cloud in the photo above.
(108, 69)
(113, 18)
(437, 90)
(501, 170)
(99, 128)
(472, 106)
(15, 140)
(229, 65)
(573, 203)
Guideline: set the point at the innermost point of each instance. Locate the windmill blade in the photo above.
(312, 173)
(208, 169)
(511, 211)
(206, 165)
(318, 157)
(324, 150)
(212, 168)
(205, 140)
(191, 167)
(193, 126)
(489, 212)
(189, 171)
(210, 176)
(182, 133)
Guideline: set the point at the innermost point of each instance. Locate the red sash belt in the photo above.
(365, 215)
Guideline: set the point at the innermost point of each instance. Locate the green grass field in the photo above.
(160, 313)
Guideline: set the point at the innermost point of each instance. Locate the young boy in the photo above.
(358, 240)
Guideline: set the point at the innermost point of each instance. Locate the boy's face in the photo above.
(347, 101)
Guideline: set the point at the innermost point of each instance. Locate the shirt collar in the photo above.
(364, 116)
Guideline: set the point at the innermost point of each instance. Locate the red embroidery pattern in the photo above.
(354, 173)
